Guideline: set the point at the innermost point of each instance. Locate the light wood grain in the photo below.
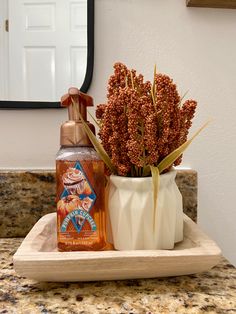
(38, 258)
(226, 4)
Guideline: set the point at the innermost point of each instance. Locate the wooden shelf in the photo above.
(225, 4)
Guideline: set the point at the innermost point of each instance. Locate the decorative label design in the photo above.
(77, 199)
(74, 217)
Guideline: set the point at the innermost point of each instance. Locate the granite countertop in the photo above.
(209, 292)
(26, 196)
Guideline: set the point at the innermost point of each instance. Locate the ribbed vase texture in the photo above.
(135, 226)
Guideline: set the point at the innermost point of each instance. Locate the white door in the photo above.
(47, 48)
(3, 51)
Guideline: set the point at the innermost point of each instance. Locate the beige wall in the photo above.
(197, 47)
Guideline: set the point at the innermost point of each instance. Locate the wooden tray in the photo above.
(38, 258)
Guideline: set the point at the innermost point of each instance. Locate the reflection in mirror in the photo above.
(46, 45)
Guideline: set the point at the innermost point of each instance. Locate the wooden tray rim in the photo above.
(207, 247)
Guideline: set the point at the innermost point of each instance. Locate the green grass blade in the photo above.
(126, 81)
(155, 188)
(154, 76)
(146, 170)
(132, 79)
(153, 88)
(94, 120)
(170, 159)
(98, 146)
(182, 98)
(153, 98)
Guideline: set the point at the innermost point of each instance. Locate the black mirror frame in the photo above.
(5, 104)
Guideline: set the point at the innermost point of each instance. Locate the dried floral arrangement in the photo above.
(143, 127)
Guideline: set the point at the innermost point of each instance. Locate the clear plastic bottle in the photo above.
(81, 221)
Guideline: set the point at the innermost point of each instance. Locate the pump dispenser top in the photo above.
(72, 131)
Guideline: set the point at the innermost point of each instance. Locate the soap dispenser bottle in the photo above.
(81, 223)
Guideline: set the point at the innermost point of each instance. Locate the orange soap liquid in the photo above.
(81, 220)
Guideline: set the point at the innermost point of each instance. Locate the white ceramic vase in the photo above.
(131, 209)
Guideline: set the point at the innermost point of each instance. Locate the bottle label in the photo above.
(76, 201)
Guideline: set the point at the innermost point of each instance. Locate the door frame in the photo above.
(88, 76)
(3, 50)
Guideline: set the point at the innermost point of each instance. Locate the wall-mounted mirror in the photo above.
(45, 47)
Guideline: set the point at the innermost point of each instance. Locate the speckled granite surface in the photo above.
(187, 183)
(27, 196)
(210, 292)
(24, 198)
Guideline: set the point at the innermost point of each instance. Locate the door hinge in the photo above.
(7, 25)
